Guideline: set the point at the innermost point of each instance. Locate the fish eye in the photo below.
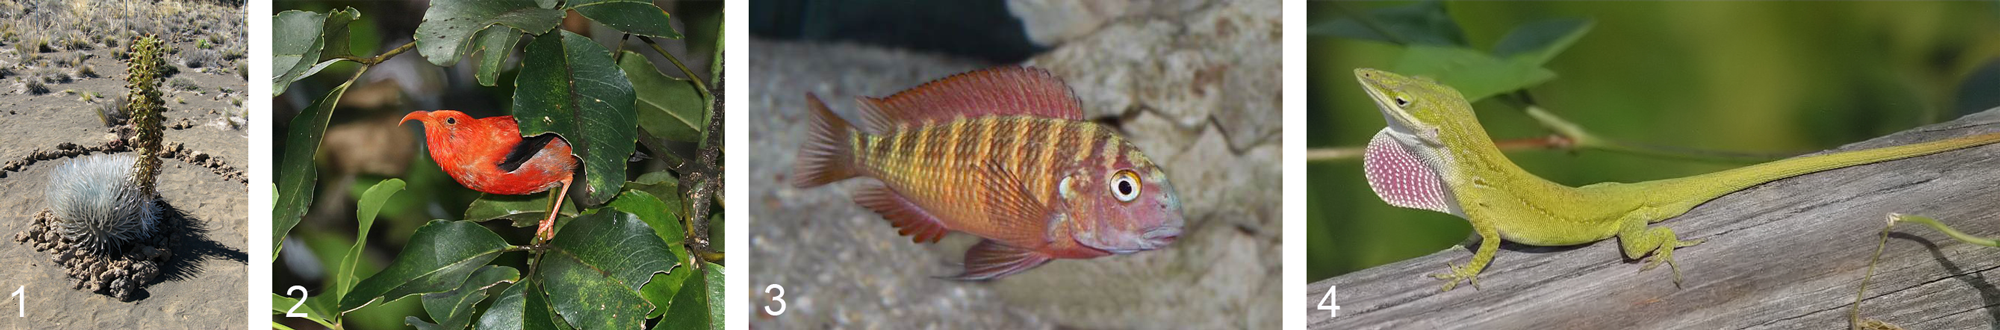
(1125, 185)
(451, 120)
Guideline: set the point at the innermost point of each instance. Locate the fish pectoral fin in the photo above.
(1009, 205)
(991, 259)
(909, 219)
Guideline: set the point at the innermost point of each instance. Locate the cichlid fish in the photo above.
(1003, 154)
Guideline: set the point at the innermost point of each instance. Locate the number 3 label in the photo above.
(779, 300)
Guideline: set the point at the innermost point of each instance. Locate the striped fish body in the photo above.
(942, 168)
(961, 154)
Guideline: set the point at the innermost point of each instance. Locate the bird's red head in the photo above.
(435, 121)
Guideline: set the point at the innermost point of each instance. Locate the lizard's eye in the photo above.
(1402, 102)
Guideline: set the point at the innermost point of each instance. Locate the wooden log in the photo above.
(1788, 254)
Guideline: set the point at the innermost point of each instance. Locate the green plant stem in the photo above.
(371, 61)
(698, 84)
(1585, 139)
(1553, 141)
(1570, 136)
(1948, 231)
(1854, 313)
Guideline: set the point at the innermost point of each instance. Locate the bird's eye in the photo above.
(1402, 102)
(450, 121)
(1125, 185)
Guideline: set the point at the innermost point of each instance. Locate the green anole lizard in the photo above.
(1435, 156)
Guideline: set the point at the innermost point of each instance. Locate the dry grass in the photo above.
(183, 83)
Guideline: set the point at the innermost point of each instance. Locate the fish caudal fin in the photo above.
(991, 260)
(824, 158)
(909, 219)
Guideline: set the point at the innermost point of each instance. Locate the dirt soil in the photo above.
(203, 284)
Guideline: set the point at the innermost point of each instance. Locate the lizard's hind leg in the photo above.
(1637, 240)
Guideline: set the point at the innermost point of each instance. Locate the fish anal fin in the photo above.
(909, 219)
(1010, 90)
(992, 260)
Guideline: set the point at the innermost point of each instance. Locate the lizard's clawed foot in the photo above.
(1456, 274)
(1666, 254)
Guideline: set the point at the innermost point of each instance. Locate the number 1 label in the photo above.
(23, 300)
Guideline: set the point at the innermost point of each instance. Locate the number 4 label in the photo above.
(1327, 302)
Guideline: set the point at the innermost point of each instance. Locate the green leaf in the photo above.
(521, 306)
(296, 172)
(493, 45)
(699, 304)
(1540, 41)
(629, 16)
(301, 38)
(660, 183)
(657, 214)
(439, 257)
(453, 309)
(369, 204)
(1420, 23)
(598, 265)
(568, 85)
(715, 232)
(281, 304)
(523, 210)
(278, 243)
(670, 108)
(664, 218)
(1475, 74)
(418, 323)
(449, 24)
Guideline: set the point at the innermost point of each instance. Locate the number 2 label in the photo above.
(302, 301)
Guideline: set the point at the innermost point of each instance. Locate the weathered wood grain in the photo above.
(1788, 254)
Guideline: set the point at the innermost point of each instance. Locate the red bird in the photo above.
(489, 155)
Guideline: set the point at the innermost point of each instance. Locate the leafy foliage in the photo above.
(1436, 47)
(622, 260)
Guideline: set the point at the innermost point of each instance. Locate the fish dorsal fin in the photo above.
(1399, 176)
(996, 91)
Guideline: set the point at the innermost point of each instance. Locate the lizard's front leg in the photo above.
(1637, 240)
(1489, 243)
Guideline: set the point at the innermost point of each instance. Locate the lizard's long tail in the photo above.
(1712, 185)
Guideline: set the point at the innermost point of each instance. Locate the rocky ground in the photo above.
(1196, 85)
(58, 67)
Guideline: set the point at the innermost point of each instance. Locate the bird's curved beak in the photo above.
(419, 116)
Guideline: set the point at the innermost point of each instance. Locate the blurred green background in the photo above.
(1754, 77)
